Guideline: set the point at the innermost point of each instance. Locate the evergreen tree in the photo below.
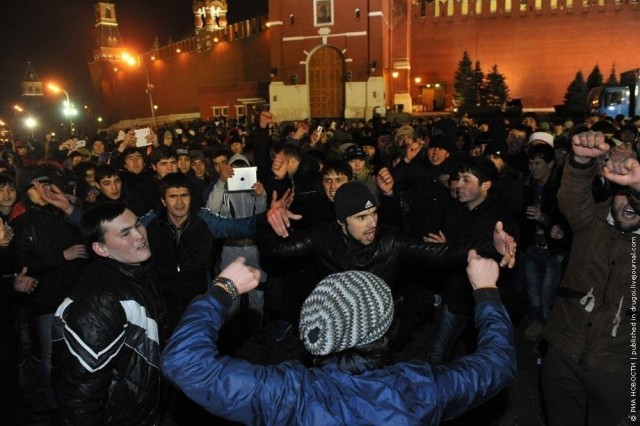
(613, 79)
(464, 83)
(495, 88)
(595, 79)
(478, 77)
(575, 100)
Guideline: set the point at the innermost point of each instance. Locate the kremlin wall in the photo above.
(327, 58)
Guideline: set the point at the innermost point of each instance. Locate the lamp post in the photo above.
(132, 61)
(29, 122)
(68, 111)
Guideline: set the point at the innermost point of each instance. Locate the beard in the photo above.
(622, 224)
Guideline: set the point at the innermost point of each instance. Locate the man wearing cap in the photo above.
(184, 160)
(200, 178)
(585, 373)
(109, 184)
(52, 251)
(355, 242)
(343, 323)
(357, 159)
(541, 137)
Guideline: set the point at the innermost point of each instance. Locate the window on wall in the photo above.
(538, 4)
(554, 4)
(523, 5)
(241, 110)
(450, 8)
(220, 111)
(465, 7)
(478, 9)
(507, 6)
(493, 6)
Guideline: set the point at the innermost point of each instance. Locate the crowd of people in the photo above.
(140, 264)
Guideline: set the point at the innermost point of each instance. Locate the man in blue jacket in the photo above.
(343, 323)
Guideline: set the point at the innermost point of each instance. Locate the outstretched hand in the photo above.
(624, 171)
(279, 215)
(505, 245)
(482, 272)
(245, 277)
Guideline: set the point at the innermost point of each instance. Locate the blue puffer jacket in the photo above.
(288, 393)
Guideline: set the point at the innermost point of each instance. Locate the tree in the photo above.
(575, 100)
(465, 89)
(595, 79)
(613, 78)
(495, 90)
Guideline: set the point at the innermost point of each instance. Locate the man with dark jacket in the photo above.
(355, 242)
(107, 332)
(586, 371)
(343, 323)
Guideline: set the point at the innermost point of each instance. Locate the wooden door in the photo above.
(326, 83)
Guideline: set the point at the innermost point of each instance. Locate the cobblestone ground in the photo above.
(519, 405)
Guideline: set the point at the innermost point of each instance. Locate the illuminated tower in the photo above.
(210, 15)
(108, 40)
(31, 84)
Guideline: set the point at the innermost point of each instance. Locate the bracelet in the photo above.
(228, 285)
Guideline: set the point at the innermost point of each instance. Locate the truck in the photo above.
(619, 99)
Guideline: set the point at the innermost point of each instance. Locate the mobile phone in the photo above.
(319, 129)
(81, 144)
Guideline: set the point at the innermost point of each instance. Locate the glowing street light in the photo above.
(30, 122)
(68, 110)
(133, 61)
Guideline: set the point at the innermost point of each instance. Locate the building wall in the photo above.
(539, 50)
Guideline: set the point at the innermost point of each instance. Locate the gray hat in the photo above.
(345, 310)
(353, 197)
(196, 155)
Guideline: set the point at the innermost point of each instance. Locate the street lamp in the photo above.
(133, 61)
(68, 110)
(30, 122)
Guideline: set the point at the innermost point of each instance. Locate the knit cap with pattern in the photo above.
(345, 310)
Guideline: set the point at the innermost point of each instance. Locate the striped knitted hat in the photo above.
(347, 309)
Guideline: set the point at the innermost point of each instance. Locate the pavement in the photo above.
(518, 405)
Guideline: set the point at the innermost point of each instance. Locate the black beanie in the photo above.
(353, 197)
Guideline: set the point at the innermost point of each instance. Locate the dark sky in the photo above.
(57, 37)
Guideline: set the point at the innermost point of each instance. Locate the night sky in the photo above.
(57, 37)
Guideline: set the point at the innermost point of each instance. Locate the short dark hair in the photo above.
(82, 167)
(339, 167)
(543, 151)
(173, 180)
(292, 151)
(481, 167)
(105, 171)
(162, 152)
(357, 360)
(91, 227)
(6, 180)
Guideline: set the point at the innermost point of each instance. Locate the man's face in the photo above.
(515, 140)
(166, 166)
(177, 201)
(530, 122)
(98, 147)
(369, 150)
(357, 165)
(470, 191)
(199, 168)
(75, 160)
(236, 148)
(218, 162)
(625, 218)
(21, 151)
(125, 240)
(111, 187)
(8, 196)
(184, 163)
(134, 163)
(540, 170)
(331, 182)
(437, 155)
(167, 140)
(362, 226)
(591, 120)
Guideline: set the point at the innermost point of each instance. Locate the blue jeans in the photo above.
(543, 272)
(45, 324)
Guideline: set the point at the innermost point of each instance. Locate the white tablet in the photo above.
(243, 179)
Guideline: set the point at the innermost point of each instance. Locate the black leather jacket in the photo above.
(106, 347)
(333, 251)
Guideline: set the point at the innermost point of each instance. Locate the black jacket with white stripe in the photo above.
(106, 347)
